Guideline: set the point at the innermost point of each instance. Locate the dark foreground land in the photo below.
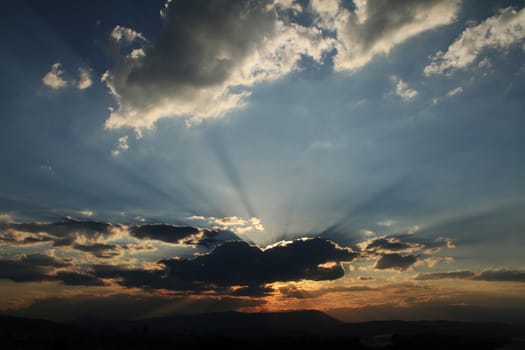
(255, 331)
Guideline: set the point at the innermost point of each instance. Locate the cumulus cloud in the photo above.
(125, 36)
(395, 261)
(122, 145)
(240, 264)
(84, 79)
(209, 55)
(54, 78)
(499, 32)
(403, 91)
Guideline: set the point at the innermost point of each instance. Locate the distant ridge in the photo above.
(233, 324)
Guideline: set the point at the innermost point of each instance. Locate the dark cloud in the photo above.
(496, 275)
(461, 274)
(100, 250)
(202, 44)
(63, 232)
(79, 279)
(395, 261)
(391, 244)
(503, 275)
(182, 234)
(32, 267)
(239, 264)
(292, 291)
(163, 232)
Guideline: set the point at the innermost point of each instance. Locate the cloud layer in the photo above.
(209, 56)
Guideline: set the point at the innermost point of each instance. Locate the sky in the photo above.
(362, 158)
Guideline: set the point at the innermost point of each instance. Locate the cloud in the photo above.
(403, 91)
(194, 65)
(100, 250)
(60, 233)
(386, 223)
(84, 79)
(31, 267)
(92, 236)
(455, 92)
(125, 36)
(88, 213)
(499, 32)
(395, 261)
(388, 244)
(376, 27)
(182, 234)
(122, 145)
(240, 264)
(232, 223)
(501, 274)
(6, 218)
(460, 274)
(494, 275)
(210, 55)
(74, 278)
(53, 78)
(163, 232)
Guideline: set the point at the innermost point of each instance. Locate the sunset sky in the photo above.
(363, 158)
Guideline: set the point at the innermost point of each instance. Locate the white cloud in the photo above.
(87, 213)
(498, 32)
(376, 27)
(455, 92)
(125, 36)
(403, 91)
(233, 223)
(122, 145)
(84, 79)
(53, 78)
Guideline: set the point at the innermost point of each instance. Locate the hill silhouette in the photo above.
(256, 330)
